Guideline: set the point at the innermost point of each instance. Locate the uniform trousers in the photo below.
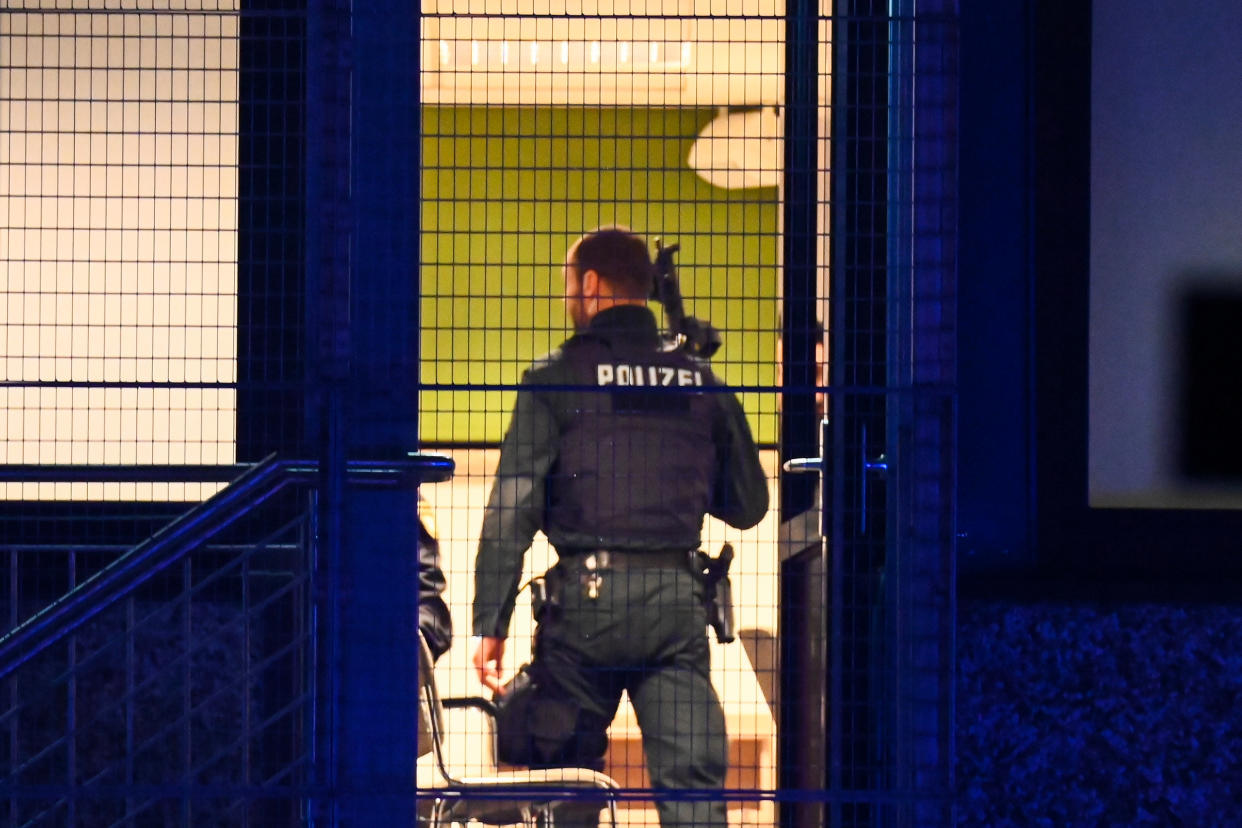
(642, 629)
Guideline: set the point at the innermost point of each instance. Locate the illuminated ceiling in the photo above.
(698, 53)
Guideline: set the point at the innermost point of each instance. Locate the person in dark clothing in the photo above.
(434, 621)
(618, 447)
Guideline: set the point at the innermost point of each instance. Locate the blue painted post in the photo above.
(328, 235)
(363, 124)
(379, 612)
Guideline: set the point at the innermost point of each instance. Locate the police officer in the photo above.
(617, 447)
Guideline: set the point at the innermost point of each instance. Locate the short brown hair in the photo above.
(619, 257)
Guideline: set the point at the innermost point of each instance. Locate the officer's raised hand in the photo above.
(489, 659)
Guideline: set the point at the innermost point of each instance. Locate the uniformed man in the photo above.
(617, 447)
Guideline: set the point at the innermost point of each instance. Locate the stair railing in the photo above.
(255, 484)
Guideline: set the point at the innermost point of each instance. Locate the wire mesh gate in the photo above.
(802, 157)
(151, 273)
(799, 155)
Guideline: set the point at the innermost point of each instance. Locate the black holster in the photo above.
(718, 597)
(545, 595)
(720, 610)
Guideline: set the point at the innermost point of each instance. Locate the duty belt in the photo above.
(634, 559)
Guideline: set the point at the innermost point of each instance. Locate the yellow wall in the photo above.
(505, 191)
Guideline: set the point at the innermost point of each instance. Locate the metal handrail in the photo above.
(255, 485)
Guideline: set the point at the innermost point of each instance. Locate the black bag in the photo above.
(541, 728)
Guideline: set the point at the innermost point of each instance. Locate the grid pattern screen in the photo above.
(118, 260)
(541, 124)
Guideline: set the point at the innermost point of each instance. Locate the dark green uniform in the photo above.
(616, 450)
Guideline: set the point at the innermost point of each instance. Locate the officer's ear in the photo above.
(590, 284)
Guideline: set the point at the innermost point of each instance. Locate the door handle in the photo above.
(808, 465)
(804, 465)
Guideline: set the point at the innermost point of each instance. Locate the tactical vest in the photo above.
(636, 455)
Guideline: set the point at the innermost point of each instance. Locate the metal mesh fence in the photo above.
(119, 201)
(541, 124)
(680, 122)
(150, 290)
(173, 301)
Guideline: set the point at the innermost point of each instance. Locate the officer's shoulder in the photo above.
(549, 362)
(580, 344)
(710, 377)
(702, 363)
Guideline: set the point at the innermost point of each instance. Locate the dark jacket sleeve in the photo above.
(434, 620)
(740, 490)
(514, 511)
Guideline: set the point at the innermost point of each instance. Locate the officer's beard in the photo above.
(576, 307)
(577, 314)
